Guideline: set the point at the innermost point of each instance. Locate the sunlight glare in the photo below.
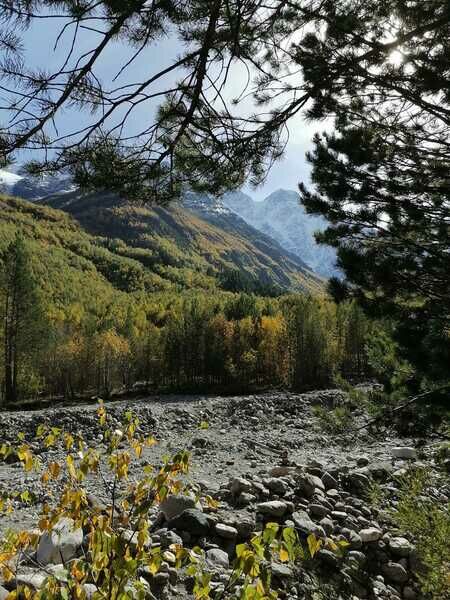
(395, 58)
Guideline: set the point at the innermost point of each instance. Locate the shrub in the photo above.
(428, 521)
(336, 420)
(117, 548)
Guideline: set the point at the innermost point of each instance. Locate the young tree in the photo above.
(22, 316)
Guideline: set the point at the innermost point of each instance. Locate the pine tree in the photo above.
(22, 317)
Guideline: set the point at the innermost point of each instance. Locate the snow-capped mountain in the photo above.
(282, 217)
(31, 188)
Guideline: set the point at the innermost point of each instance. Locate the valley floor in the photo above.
(238, 437)
(245, 435)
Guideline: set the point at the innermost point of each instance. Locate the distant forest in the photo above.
(67, 331)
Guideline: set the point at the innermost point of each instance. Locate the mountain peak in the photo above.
(282, 195)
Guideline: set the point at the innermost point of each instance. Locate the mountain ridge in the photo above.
(179, 237)
(236, 214)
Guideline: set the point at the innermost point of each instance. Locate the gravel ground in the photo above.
(245, 434)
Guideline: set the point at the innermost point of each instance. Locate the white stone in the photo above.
(3, 593)
(32, 579)
(226, 531)
(371, 534)
(60, 544)
(404, 452)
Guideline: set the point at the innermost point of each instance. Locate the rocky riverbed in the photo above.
(262, 458)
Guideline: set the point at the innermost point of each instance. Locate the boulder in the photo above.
(3, 593)
(404, 452)
(226, 531)
(395, 572)
(277, 486)
(239, 485)
(168, 538)
(30, 578)
(245, 498)
(191, 520)
(303, 522)
(175, 504)
(308, 483)
(274, 508)
(330, 559)
(400, 547)
(217, 558)
(61, 544)
(329, 481)
(317, 510)
(371, 534)
(281, 571)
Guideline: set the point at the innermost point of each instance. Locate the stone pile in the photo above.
(330, 502)
(74, 420)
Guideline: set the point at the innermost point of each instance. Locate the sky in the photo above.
(39, 51)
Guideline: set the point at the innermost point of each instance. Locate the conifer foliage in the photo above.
(23, 327)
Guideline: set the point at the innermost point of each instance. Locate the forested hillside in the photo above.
(184, 248)
(94, 327)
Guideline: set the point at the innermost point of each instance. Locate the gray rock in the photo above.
(359, 557)
(245, 498)
(395, 572)
(191, 520)
(217, 558)
(404, 452)
(274, 508)
(61, 544)
(303, 522)
(281, 471)
(328, 525)
(318, 510)
(355, 541)
(329, 481)
(371, 534)
(281, 571)
(329, 558)
(174, 505)
(409, 593)
(277, 486)
(358, 481)
(400, 547)
(339, 515)
(89, 589)
(245, 525)
(30, 578)
(161, 579)
(168, 538)
(308, 483)
(226, 531)
(239, 485)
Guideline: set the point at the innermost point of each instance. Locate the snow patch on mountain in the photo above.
(282, 217)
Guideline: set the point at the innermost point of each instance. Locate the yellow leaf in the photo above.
(284, 554)
(313, 544)
(54, 469)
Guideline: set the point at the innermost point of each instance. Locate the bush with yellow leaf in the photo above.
(116, 559)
